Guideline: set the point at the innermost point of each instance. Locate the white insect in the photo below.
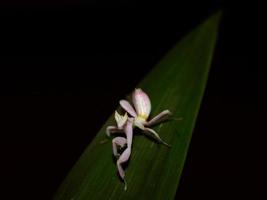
(138, 118)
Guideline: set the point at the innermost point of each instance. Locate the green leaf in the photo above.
(176, 83)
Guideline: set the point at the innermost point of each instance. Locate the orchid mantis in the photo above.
(125, 124)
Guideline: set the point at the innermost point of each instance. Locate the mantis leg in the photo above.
(123, 158)
(113, 129)
(127, 152)
(127, 107)
(159, 118)
(118, 142)
(151, 132)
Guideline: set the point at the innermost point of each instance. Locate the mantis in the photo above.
(138, 117)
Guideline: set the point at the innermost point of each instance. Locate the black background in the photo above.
(65, 65)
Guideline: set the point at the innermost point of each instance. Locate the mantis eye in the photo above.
(141, 103)
(120, 119)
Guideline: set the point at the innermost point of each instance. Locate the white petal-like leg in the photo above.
(154, 134)
(129, 131)
(113, 129)
(123, 158)
(159, 118)
(118, 142)
(127, 107)
(127, 152)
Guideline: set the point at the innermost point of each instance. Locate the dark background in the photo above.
(65, 65)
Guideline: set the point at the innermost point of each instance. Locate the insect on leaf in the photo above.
(176, 83)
